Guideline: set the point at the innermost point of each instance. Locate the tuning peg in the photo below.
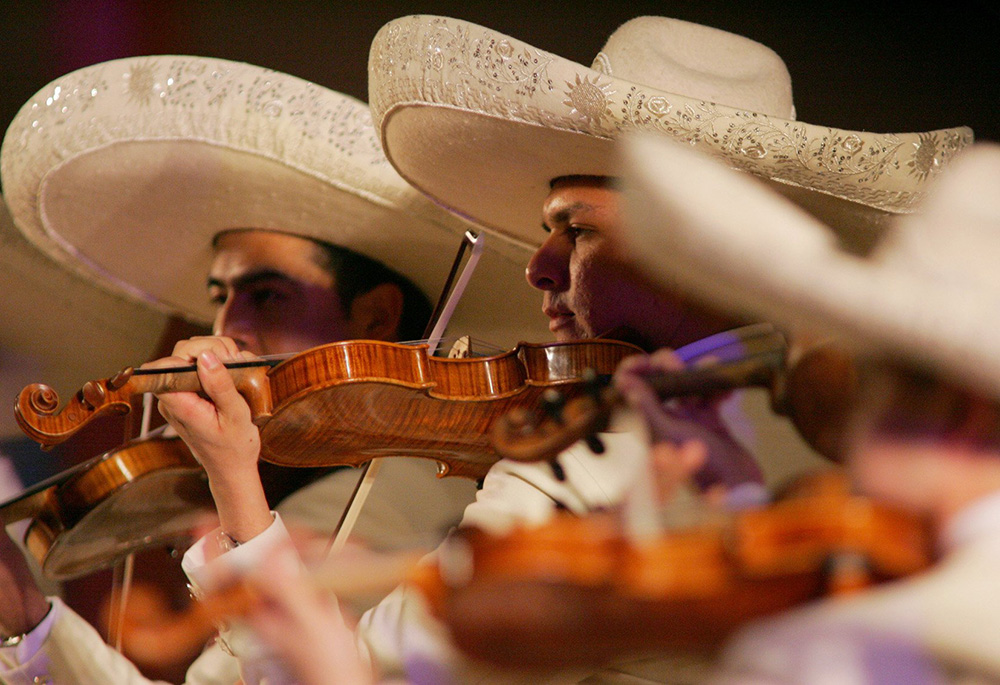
(595, 444)
(593, 383)
(553, 402)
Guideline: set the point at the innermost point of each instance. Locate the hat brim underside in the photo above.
(119, 213)
(506, 169)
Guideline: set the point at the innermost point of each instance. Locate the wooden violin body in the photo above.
(147, 493)
(575, 592)
(348, 402)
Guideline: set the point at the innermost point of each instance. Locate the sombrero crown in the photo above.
(124, 171)
(483, 123)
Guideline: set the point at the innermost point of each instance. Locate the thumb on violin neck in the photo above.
(219, 385)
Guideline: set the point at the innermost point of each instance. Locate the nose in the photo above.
(548, 268)
(233, 321)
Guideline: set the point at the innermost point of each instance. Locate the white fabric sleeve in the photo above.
(71, 652)
(32, 642)
(209, 560)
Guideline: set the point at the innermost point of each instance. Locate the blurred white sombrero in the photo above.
(124, 171)
(482, 122)
(930, 292)
(60, 329)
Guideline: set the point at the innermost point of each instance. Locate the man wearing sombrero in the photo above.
(146, 174)
(509, 135)
(514, 137)
(920, 313)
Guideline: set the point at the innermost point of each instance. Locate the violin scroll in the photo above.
(526, 435)
(37, 404)
(38, 414)
(41, 398)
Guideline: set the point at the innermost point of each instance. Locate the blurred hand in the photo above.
(305, 627)
(689, 438)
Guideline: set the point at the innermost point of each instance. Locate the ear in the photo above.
(375, 315)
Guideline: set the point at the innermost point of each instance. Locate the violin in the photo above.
(153, 633)
(576, 592)
(813, 386)
(149, 492)
(348, 402)
(571, 593)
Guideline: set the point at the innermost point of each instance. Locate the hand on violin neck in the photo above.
(22, 604)
(216, 425)
(673, 466)
(695, 441)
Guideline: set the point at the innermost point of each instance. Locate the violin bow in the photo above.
(447, 302)
(124, 570)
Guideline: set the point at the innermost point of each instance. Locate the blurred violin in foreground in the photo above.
(570, 593)
(573, 592)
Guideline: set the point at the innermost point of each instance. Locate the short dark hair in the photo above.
(355, 274)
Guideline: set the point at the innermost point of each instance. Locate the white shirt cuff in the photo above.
(22, 652)
(211, 558)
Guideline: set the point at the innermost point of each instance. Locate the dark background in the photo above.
(878, 66)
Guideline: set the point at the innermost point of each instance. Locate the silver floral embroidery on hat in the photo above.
(491, 74)
(589, 100)
(170, 92)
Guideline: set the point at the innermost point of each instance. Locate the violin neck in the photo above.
(754, 371)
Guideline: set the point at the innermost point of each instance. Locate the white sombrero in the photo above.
(125, 170)
(483, 123)
(58, 328)
(929, 292)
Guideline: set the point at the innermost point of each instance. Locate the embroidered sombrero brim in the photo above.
(928, 293)
(60, 329)
(124, 171)
(482, 123)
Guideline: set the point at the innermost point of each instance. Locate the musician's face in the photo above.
(588, 287)
(271, 294)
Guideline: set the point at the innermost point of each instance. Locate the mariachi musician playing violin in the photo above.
(582, 218)
(292, 284)
(512, 136)
(925, 431)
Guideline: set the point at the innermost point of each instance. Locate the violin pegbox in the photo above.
(541, 434)
(37, 405)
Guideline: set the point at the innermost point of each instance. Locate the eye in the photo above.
(217, 297)
(264, 297)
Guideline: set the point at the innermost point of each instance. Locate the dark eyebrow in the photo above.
(253, 278)
(564, 215)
